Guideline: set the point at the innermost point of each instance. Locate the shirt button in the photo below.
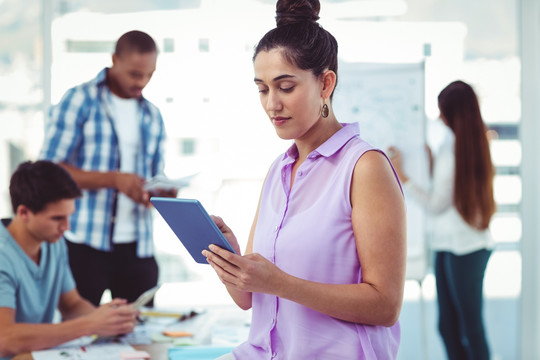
(276, 228)
(274, 355)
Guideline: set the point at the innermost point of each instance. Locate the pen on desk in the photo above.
(180, 316)
(190, 315)
(150, 313)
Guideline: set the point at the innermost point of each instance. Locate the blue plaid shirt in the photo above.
(80, 132)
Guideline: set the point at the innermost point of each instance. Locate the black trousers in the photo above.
(120, 271)
(460, 282)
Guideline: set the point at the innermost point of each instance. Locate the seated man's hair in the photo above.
(136, 41)
(36, 184)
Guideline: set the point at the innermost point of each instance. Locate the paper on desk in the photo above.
(144, 333)
(82, 341)
(89, 352)
(224, 335)
(155, 321)
(163, 182)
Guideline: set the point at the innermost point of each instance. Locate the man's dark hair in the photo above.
(136, 41)
(36, 184)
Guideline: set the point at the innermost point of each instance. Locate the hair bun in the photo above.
(296, 11)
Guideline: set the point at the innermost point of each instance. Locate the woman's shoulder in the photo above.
(373, 167)
(371, 160)
(447, 142)
(357, 147)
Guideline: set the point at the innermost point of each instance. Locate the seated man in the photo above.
(35, 277)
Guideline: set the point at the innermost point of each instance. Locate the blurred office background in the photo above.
(217, 129)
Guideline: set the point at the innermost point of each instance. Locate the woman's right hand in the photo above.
(397, 162)
(240, 296)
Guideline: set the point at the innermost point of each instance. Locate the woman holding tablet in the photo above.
(324, 266)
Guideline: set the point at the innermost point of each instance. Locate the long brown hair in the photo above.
(473, 184)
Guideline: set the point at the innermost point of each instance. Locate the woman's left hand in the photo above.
(250, 273)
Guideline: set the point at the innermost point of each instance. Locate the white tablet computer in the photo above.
(145, 297)
(191, 224)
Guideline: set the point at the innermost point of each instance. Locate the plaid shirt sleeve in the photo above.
(63, 129)
(78, 133)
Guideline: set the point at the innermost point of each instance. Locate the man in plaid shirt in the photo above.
(110, 139)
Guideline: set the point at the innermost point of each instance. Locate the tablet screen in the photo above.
(191, 224)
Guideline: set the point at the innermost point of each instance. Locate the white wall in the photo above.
(530, 172)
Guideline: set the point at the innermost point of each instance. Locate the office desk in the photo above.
(224, 325)
(157, 351)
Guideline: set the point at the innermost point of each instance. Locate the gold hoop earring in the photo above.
(325, 111)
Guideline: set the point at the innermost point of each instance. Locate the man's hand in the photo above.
(114, 318)
(132, 186)
(170, 193)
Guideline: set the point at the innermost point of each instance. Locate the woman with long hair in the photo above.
(462, 203)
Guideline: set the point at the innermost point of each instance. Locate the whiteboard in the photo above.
(387, 100)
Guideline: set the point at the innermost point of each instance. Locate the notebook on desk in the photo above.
(190, 222)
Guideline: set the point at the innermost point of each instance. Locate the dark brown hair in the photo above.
(303, 41)
(36, 184)
(137, 41)
(473, 184)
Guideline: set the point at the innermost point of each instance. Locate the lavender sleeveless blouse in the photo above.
(307, 232)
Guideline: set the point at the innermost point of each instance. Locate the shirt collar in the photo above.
(101, 80)
(330, 146)
(101, 77)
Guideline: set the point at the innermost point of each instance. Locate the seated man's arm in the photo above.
(72, 305)
(109, 319)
